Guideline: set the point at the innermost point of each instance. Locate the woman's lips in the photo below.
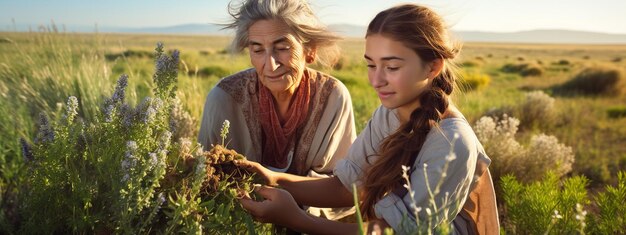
(277, 77)
(385, 95)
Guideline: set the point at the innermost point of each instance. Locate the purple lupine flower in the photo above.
(107, 110)
(129, 160)
(27, 152)
(175, 58)
(145, 110)
(164, 140)
(128, 115)
(120, 88)
(46, 133)
(149, 115)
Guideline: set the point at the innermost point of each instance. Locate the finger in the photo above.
(241, 193)
(244, 163)
(250, 205)
(266, 192)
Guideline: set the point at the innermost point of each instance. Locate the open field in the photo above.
(599, 141)
(38, 71)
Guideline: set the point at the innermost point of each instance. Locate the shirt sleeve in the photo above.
(218, 107)
(334, 134)
(444, 169)
(364, 149)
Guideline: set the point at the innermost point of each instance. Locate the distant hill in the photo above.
(208, 29)
(544, 36)
(357, 31)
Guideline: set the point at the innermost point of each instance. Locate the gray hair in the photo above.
(297, 14)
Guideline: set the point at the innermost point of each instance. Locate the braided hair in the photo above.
(422, 30)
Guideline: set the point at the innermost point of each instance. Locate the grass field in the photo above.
(38, 71)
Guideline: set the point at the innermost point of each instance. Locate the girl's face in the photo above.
(397, 73)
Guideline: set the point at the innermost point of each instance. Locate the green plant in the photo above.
(611, 218)
(528, 163)
(121, 173)
(595, 81)
(616, 112)
(525, 69)
(544, 207)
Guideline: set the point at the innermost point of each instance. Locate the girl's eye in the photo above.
(283, 48)
(392, 68)
(371, 66)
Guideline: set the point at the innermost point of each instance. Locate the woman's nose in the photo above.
(271, 62)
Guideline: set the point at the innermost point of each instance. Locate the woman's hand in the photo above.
(269, 176)
(279, 207)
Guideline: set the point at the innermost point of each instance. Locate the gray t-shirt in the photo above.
(452, 145)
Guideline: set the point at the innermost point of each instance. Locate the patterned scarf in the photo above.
(277, 138)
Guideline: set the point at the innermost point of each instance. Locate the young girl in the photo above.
(410, 66)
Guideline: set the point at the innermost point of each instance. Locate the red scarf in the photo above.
(276, 137)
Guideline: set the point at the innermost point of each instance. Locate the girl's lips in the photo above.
(385, 95)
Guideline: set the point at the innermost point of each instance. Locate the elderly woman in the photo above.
(284, 115)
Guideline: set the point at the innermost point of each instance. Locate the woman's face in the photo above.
(277, 56)
(397, 73)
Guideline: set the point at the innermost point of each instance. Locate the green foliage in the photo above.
(120, 173)
(595, 81)
(524, 69)
(211, 70)
(547, 206)
(129, 54)
(616, 112)
(611, 218)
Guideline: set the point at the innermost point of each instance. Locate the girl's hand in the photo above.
(255, 167)
(279, 207)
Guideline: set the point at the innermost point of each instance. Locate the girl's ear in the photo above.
(436, 66)
(310, 55)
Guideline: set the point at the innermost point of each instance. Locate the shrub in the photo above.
(536, 109)
(6, 40)
(562, 62)
(528, 164)
(545, 207)
(471, 63)
(595, 81)
(525, 69)
(616, 112)
(532, 71)
(611, 218)
(123, 173)
(472, 80)
(129, 54)
(498, 139)
(545, 153)
(212, 70)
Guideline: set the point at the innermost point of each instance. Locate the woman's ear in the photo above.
(436, 66)
(310, 55)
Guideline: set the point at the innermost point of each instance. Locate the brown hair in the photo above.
(422, 30)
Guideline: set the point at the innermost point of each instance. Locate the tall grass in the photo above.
(38, 71)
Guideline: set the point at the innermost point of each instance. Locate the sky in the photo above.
(607, 16)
